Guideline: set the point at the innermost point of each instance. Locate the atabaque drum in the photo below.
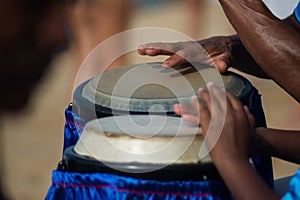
(157, 157)
(107, 155)
(149, 88)
(145, 146)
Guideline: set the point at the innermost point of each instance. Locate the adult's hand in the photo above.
(214, 51)
(221, 52)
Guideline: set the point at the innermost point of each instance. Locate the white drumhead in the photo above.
(143, 139)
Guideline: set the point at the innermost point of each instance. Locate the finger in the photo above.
(217, 99)
(189, 112)
(173, 61)
(217, 92)
(184, 109)
(153, 49)
(177, 109)
(204, 118)
(204, 109)
(234, 101)
(221, 65)
(250, 117)
(191, 118)
(219, 108)
(188, 109)
(154, 52)
(206, 101)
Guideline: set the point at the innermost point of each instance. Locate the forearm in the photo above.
(273, 44)
(242, 60)
(279, 143)
(243, 181)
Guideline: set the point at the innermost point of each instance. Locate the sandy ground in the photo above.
(32, 140)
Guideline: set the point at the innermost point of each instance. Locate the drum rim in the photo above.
(138, 104)
(82, 106)
(73, 162)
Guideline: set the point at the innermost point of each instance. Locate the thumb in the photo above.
(222, 62)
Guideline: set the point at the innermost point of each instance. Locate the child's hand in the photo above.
(228, 126)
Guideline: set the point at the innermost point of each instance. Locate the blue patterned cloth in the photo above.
(73, 185)
(73, 128)
(294, 192)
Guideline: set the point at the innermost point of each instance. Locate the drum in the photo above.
(135, 165)
(148, 88)
(153, 147)
(155, 156)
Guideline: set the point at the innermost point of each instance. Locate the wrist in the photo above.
(230, 164)
(229, 159)
(262, 145)
(236, 48)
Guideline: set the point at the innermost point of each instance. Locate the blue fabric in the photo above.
(262, 164)
(71, 185)
(80, 186)
(297, 12)
(73, 128)
(294, 192)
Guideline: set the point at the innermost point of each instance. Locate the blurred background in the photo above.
(33, 139)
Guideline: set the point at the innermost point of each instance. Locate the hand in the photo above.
(237, 133)
(214, 51)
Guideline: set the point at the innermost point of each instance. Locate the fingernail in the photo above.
(194, 98)
(185, 117)
(176, 105)
(210, 84)
(141, 46)
(165, 64)
(200, 90)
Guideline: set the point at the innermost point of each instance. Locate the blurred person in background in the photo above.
(31, 33)
(194, 10)
(93, 21)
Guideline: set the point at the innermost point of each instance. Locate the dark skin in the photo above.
(265, 46)
(30, 33)
(233, 148)
(278, 41)
(223, 52)
(29, 36)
